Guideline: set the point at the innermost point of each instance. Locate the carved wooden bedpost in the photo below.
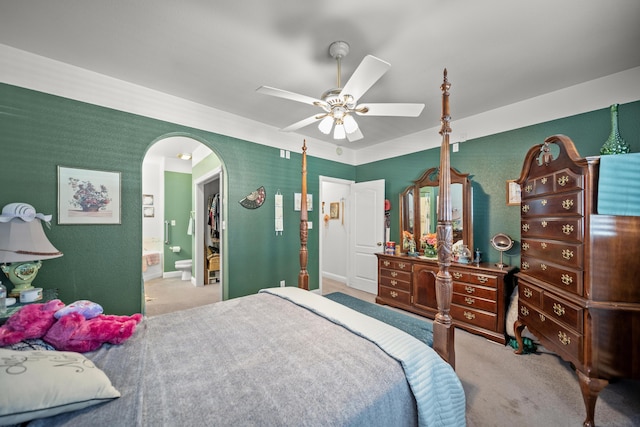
(443, 328)
(303, 276)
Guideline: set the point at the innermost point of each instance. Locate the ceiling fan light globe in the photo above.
(339, 133)
(325, 125)
(350, 124)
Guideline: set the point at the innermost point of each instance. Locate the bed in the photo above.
(283, 356)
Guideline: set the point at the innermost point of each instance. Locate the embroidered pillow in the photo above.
(38, 384)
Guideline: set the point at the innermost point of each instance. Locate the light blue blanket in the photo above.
(439, 394)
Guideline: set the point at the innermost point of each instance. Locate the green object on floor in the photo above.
(421, 329)
(529, 346)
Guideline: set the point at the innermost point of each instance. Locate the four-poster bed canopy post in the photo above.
(303, 276)
(443, 329)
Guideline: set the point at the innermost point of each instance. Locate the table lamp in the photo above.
(23, 245)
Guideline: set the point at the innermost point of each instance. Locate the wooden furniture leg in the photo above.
(518, 326)
(590, 387)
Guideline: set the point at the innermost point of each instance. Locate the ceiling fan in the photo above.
(340, 104)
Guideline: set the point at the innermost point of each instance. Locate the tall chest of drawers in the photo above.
(579, 283)
(480, 292)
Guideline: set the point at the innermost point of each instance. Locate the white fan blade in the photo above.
(355, 135)
(368, 72)
(267, 90)
(389, 109)
(304, 122)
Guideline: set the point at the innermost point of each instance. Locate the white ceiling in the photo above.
(217, 53)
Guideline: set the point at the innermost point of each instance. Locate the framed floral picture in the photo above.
(88, 196)
(513, 193)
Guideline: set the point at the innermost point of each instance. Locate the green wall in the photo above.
(103, 262)
(177, 207)
(493, 160)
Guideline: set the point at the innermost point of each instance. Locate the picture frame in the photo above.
(513, 193)
(88, 196)
(147, 199)
(334, 210)
(148, 211)
(297, 202)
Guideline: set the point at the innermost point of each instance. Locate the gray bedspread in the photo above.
(258, 360)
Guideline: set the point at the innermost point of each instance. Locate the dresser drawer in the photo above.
(395, 265)
(402, 285)
(404, 276)
(561, 339)
(531, 294)
(475, 302)
(563, 180)
(479, 318)
(568, 254)
(561, 277)
(397, 295)
(562, 311)
(563, 229)
(557, 204)
(475, 291)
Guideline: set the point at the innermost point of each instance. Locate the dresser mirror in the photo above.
(419, 207)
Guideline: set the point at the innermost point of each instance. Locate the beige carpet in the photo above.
(502, 389)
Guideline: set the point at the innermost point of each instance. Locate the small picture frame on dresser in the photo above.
(513, 193)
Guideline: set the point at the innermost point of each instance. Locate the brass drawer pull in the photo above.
(543, 267)
(528, 188)
(567, 253)
(393, 294)
(542, 317)
(566, 279)
(558, 309)
(386, 263)
(402, 265)
(564, 339)
(525, 265)
(543, 245)
(469, 300)
(469, 316)
(483, 279)
(528, 293)
(563, 180)
(525, 246)
(544, 202)
(469, 289)
(524, 311)
(394, 283)
(567, 204)
(544, 180)
(525, 208)
(544, 224)
(525, 227)
(394, 274)
(457, 275)
(567, 229)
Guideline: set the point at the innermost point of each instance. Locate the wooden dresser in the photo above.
(579, 279)
(480, 292)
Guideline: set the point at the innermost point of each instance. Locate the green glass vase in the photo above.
(614, 144)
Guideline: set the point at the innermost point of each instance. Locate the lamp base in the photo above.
(21, 274)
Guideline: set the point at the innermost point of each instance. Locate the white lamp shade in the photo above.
(325, 125)
(350, 124)
(22, 241)
(338, 132)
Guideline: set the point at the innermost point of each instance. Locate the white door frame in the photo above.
(325, 179)
(199, 225)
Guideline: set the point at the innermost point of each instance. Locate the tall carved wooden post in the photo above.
(303, 276)
(444, 344)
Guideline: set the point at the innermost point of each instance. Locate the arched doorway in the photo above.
(175, 226)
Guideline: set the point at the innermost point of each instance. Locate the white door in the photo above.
(367, 234)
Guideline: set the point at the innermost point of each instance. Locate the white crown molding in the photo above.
(24, 69)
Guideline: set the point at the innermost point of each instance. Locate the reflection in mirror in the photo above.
(424, 219)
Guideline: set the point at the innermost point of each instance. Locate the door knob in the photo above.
(379, 243)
